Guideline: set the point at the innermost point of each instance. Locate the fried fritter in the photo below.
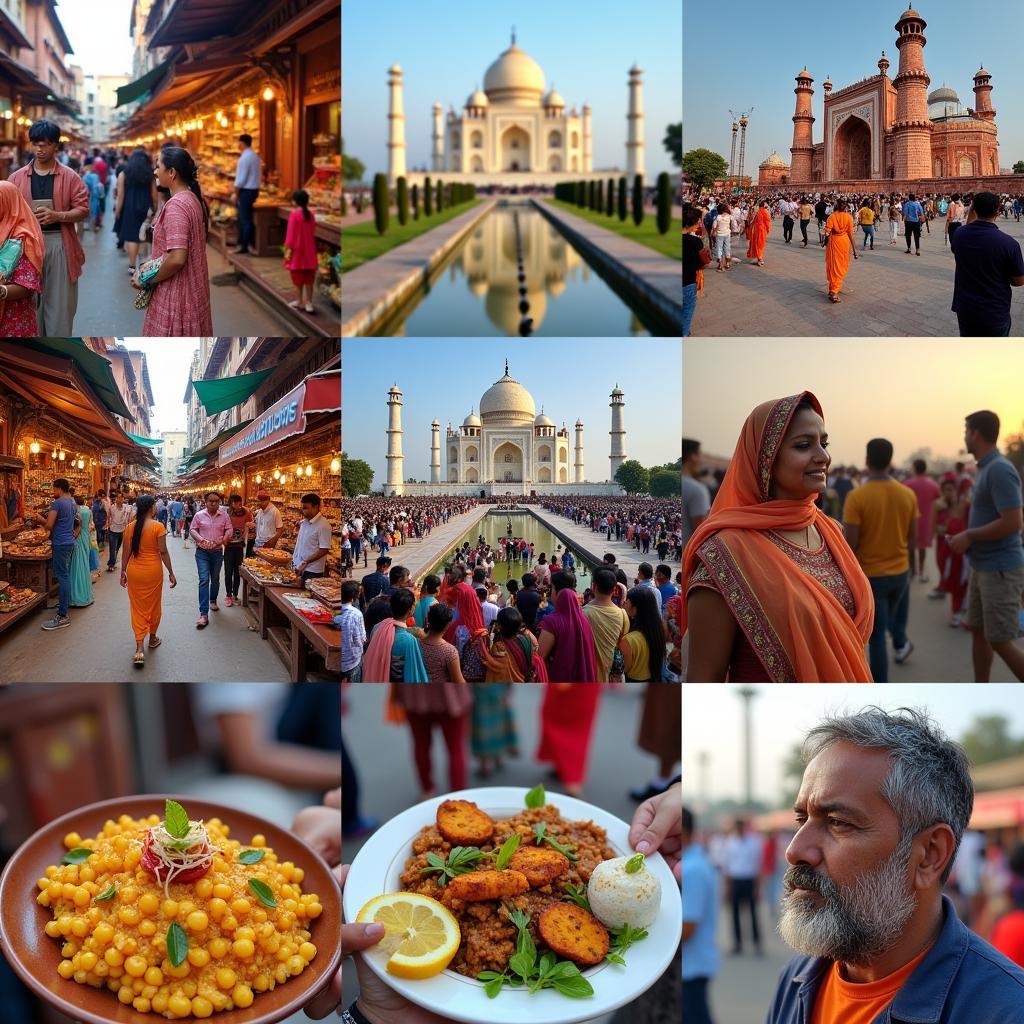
(487, 885)
(462, 823)
(540, 866)
(574, 933)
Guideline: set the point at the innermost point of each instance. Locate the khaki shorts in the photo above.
(994, 601)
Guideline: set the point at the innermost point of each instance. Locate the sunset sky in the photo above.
(915, 392)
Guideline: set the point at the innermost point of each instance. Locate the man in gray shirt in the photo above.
(993, 544)
(696, 497)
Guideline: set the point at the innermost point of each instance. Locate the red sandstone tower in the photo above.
(803, 143)
(912, 127)
(983, 96)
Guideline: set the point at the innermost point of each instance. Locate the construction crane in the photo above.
(742, 118)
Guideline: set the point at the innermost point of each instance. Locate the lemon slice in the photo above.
(420, 935)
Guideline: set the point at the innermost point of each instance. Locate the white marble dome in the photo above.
(478, 99)
(514, 77)
(472, 420)
(542, 420)
(507, 401)
(554, 99)
(774, 161)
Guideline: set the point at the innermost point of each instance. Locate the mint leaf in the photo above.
(539, 829)
(79, 855)
(508, 848)
(536, 797)
(106, 894)
(634, 864)
(263, 893)
(614, 958)
(251, 856)
(494, 985)
(523, 965)
(576, 987)
(175, 821)
(177, 944)
(564, 969)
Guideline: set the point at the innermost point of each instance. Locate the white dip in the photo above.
(618, 898)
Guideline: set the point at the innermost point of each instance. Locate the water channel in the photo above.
(476, 291)
(495, 525)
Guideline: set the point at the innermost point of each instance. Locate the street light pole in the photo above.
(748, 693)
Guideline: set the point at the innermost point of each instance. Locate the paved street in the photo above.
(886, 294)
(382, 757)
(98, 645)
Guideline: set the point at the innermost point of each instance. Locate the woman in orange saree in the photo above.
(758, 226)
(773, 591)
(839, 243)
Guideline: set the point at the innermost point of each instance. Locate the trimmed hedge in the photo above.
(381, 203)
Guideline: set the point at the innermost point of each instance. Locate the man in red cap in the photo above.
(268, 524)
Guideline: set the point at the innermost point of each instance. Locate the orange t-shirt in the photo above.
(1008, 936)
(845, 1002)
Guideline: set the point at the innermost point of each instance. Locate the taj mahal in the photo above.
(506, 448)
(516, 128)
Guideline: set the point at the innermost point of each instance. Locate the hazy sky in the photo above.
(790, 34)
(586, 50)
(914, 391)
(99, 35)
(713, 722)
(569, 377)
(168, 361)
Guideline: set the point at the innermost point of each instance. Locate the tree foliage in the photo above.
(988, 739)
(703, 167)
(632, 477)
(638, 200)
(673, 142)
(664, 201)
(381, 203)
(403, 201)
(356, 476)
(664, 483)
(1018, 167)
(623, 199)
(428, 197)
(1014, 445)
(352, 169)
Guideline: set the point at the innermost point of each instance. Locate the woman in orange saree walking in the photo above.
(758, 226)
(773, 592)
(143, 576)
(839, 244)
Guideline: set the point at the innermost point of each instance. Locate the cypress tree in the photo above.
(440, 195)
(609, 206)
(581, 194)
(638, 200)
(590, 195)
(403, 201)
(598, 197)
(428, 197)
(664, 203)
(415, 202)
(623, 212)
(381, 202)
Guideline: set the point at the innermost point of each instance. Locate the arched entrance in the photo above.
(515, 150)
(966, 166)
(937, 168)
(508, 463)
(852, 157)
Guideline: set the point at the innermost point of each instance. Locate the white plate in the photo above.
(380, 863)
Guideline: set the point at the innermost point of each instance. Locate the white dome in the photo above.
(945, 94)
(774, 161)
(514, 77)
(553, 99)
(478, 99)
(472, 420)
(542, 420)
(507, 401)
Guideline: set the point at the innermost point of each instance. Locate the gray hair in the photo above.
(929, 782)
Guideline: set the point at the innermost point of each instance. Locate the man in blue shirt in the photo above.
(883, 804)
(992, 543)
(913, 214)
(375, 583)
(989, 265)
(247, 188)
(62, 524)
(700, 914)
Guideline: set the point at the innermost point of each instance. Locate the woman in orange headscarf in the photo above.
(758, 226)
(839, 244)
(773, 591)
(19, 288)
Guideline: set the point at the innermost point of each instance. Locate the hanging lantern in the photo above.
(81, 463)
(309, 470)
(268, 93)
(34, 447)
(259, 478)
(251, 111)
(53, 454)
(199, 124)
(241, 110)
(284, 479)
(62, 456)
(335, 465)
(277, 474)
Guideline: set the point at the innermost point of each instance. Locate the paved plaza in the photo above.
(887, 293)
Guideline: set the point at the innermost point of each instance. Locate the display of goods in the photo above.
(15, 524)
(273, 555)
(309, 609)
(16, 550)
(30, 537)
(3, 585)
(327, 589)
(13, 598)
(267, 574)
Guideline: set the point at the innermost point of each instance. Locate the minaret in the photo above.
(395, 459)
(578, 464)
(983, 96)
(617, 456)
(744, 121)
(588, 156)
(803, 141)
(732, 152)
(912, 128)
(396, 126)
(435, 452)
(438, 137)
(635, 117)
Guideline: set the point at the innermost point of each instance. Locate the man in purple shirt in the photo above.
(211, 527)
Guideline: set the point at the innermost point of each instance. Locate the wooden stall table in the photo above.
(290, 633)
(254, 598)
(8, 619)
(32, 572)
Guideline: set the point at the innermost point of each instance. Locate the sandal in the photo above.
(154, 642)
(139, 660)
(835, 298)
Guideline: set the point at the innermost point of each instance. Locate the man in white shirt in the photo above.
(788, 209)
(313, 544)
(247, 188)
(742, 869)
(118, 518)
(268, 524)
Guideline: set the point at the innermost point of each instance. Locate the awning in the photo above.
(10, 27)
(286, 417)
(225, 392)
(210, 448)
(147, 83)
(21, 75)
(196, 21)
(1001, 809)
(145, 440)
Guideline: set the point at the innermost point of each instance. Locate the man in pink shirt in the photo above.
(927, 492)
(211, 529)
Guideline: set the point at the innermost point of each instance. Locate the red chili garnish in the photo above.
(152, 864)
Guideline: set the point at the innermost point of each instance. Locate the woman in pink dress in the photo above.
(180, 306)
(18, 292)
(300, 257)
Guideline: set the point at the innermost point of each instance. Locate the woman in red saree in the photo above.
(467, 624)
(773, 591)
(949, 517)
(513, 656)
(758, 226)
(840, 243)
(567, 724)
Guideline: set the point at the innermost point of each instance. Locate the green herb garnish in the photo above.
(251, 856)
(460, 860)
(263, 892)
(177, 944)
(535, 798)
(79, 855)
(622, 939)
(634, 864)
(106, 894)
(175, 820)
(579, 897)
(540, 831)
(508, 848)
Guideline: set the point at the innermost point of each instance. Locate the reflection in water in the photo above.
(494, 526)
(477, 293)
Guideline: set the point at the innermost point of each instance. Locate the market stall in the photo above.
(296, 628)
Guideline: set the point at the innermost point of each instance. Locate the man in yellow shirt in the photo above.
(866, 219)
(879, 521)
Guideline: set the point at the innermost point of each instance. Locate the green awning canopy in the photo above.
(152, 441)
(204, 454)
(134, 90)
(225, 392)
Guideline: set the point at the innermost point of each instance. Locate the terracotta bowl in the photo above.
(34, 956)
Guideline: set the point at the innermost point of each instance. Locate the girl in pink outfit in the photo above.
(300, 250)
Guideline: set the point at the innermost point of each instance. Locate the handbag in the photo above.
(10, 253)
(703, 258)
(142, 300)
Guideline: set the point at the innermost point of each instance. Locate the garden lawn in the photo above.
(670, 244)
(361, 243)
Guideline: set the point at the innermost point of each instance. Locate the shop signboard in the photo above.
(109, 458)
(285, 418)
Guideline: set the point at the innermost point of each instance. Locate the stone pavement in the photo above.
(886, 293)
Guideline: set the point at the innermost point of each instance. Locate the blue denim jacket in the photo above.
(962, 980)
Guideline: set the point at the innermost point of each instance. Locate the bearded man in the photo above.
(884, 802)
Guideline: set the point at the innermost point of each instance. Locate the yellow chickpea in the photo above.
(82, 898)
(103, 933)
(52, 929)
(229, 923)
(314, 910)
(135, 966)
(201, 1007)
(198, 957)
(154, 976)
(298, 875)
(259, 839)
(149, 904)
(170, 909)
(243, 948)
(295, 965)
(241, 907)
(219, 948)
(226, 978)
(245, 933)
(67, 891)
(72, 840)
(114, 957)
(218, 908)
(147, 929)
(242, 995)
(180, 972)
(87, 961)
(222, 891)
(159, 1002)
(197, 921)
(129, 915)
(125, 995)
(79, 927)
(179, 1005)
(142, 1004)
(86, 873)
(307, 951)
(259, 915)
(204, 888)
